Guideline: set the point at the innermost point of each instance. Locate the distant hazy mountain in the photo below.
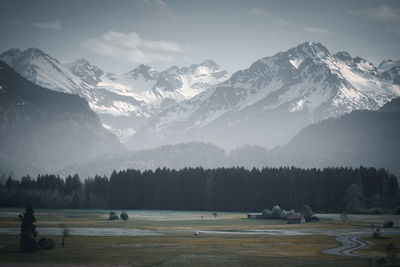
(171, 156)
(271, 101)
(367, 138)
(42, 130)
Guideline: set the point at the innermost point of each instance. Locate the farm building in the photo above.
(296, 219)
(255, 215)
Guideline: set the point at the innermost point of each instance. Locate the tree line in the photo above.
(222, 189)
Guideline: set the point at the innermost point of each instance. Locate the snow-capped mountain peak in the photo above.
(86, 71)
(388, 64)
(344, 56)
(283, 92)
(146, 72)
(209, 63)
(180, 84)
(309, 50)
(44, 70)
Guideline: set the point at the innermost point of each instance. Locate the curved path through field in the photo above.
(349, 244)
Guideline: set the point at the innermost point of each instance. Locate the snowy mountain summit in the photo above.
(268, 103)
(123, 101)
(41, 69)
(86, 71)
(265, 104)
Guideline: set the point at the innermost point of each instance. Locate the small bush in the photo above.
(388, 224)
(377, 233)
(46, 243)
(113, 216)
(314, 218)
(267, 214)
(124, 216)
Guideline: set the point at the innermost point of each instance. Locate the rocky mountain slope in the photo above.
(271, 101)
(42, 130)
(264, 105)
(123, 101)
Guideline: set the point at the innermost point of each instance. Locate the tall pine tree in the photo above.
(28, 242)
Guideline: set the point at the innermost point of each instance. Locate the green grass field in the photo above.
(176, 245)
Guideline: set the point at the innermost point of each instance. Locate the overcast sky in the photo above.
(119, 35)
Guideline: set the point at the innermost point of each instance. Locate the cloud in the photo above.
(132, 48)
(49, 25)
(255, 11)
(319, 31)
(282, 23)
(382, 13)
(159, 3)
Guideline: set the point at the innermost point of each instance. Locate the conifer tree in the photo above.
(28, 231)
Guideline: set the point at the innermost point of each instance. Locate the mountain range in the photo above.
(271, 101)
(265, 111)
(123, 101)
(266, 104)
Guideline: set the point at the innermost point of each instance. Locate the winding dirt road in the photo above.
(349, 244)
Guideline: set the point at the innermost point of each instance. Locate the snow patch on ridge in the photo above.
(296, 62)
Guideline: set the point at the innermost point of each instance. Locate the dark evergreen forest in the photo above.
(221, 189)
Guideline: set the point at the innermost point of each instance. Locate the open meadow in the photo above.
(167, 238)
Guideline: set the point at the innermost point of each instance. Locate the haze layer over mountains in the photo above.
(250, 112)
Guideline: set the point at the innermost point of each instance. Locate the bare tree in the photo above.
(65, 231)
(344, 217)
(392, 251)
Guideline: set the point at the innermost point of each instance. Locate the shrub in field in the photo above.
(124, 216)
(388, 224)
(113, 216)
(46, 243)
(267, 214)
(314, 218)
(377, 233)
